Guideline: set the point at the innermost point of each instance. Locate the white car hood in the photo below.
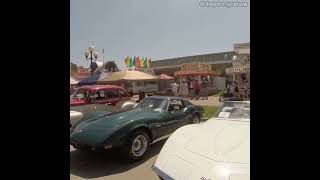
(221, 140)
(214, 150)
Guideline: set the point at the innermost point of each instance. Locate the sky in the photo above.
(157, 29)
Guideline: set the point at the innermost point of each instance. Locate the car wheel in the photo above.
(137, 145)
(196, 119)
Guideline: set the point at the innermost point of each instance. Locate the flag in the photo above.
(130, 62)
(138, 63)
(141, 62)
(149, 63)
(126, 61)
(134, 61)
(145, 63)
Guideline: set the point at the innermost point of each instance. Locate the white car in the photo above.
(218, 149)
(75, 116)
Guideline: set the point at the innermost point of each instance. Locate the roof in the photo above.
(165, 97)
(165, 77)
(203, 58)
(73, 81)
(127, 76)
(95, 87)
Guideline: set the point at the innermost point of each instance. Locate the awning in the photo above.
(165, 77)
(127, 76)
(73, 81)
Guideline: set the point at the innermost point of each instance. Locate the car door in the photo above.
(99, 97)
(177, 116)
(112, 96)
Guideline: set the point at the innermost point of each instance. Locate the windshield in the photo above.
(234, 110)
(153, 103)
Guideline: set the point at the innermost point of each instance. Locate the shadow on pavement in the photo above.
(98, 164)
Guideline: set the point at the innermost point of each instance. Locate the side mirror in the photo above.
(186, 109)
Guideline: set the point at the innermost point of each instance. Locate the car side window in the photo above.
(99, 95)
(112, 93)
(176, 105)
(81, 94)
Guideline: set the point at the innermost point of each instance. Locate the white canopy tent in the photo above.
(73, 81)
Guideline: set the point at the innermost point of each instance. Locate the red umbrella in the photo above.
(165, 77)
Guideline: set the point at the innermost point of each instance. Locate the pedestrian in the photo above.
(197, 89)
(236, 89)
(174, 88)
(204, 85)
(180, 88)
(185, 90)
(142, 95)
(131, 93)
(191, 89)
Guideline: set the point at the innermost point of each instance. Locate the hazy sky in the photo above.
(154, 28)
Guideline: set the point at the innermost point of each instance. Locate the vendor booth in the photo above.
(134, 81)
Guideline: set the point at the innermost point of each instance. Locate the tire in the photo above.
(137, 145)
(196, 119)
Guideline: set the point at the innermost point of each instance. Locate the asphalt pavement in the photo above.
(111, 165)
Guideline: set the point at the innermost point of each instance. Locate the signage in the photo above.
(195, 66)
(238, 70)
(193, 72)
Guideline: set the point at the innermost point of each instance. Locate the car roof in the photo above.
(97, 87)
(239, 101)
(166, 97)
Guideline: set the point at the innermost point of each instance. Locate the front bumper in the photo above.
(100, 147)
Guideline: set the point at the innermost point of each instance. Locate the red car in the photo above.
(98, 94)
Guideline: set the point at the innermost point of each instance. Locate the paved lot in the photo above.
(102, 165)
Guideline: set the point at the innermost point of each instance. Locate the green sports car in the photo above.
(153, 119)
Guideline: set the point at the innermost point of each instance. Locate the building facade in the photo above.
(240, 70)
(215, 60)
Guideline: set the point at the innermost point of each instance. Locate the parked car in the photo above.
(75, 116)
(98, 98)
(98, 94)
(218, 149)
(154, 118)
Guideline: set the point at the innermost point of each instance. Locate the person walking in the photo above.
(191, 89)
(204, 85)
(174, 88)
(236, 89)
(185, 90)
(197, 89)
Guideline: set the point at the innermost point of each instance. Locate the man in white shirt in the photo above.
(174, 87)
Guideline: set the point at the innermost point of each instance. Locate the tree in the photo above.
(73, 69)
(111, 66)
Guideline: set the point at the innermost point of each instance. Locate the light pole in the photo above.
(93, 56)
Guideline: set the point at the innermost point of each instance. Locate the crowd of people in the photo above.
(233, 90)
(190, 89)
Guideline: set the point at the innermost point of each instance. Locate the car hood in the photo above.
(97, 126)
(216, 149)
(221, 140)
